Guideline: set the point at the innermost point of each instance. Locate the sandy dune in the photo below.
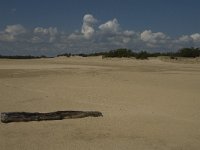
(147, 105)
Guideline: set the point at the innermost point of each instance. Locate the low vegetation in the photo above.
(188, 52)
(123, 52)
(120, 53)
(22, 57)
(142, 55)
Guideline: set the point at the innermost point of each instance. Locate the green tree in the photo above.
(142, 55)
(189, 52)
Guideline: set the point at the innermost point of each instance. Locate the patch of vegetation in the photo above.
(142, 55)
(22, 57)
(188, 52)
(123, 52)
(65, 54)
(120, 53)
(172, 57)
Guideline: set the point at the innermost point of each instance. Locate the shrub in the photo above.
(65, 54)
(189, 52)
(172, 57)
(142, 55)
(119, 53)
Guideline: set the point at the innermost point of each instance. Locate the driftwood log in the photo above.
(7, 117)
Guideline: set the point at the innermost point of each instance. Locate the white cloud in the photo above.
(50, 32)
(189, 40)
(153, 38)
(128, 33)
(41, 30)
(89, 19)
(184, 38)
(36, 39)
(87, 30)
(121, 38)
(92, 37)
(73, 36)
(15, 29)
(112, 26)
(6, 37)
(195, 37)
(111, 33)
(87, 27)
(11, 31)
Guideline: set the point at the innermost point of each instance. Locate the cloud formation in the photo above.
(192, 40)
(87, 27)
(111, 26)
(195, 37)
(93, 36)
(41, 34)
(153, 39)
(11, 32)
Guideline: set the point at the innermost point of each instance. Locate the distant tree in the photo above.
(189, 52)
(119, 53)
(65, 54)
(142, 55)
(22, 57)
(83, 55)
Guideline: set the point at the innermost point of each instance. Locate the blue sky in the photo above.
(55, 26)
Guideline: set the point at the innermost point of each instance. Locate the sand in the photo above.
(147, 104)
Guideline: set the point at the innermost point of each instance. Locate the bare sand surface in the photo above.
(147, 105)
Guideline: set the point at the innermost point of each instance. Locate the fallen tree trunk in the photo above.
(7, 117)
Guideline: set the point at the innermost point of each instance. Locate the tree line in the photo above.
(22, 57)
(123, 52)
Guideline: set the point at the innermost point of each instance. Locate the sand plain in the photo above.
(147, 104)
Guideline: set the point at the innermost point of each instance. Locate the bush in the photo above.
(172, 57)
(22, 57)
(119, 53)
(189, 52)
(65, 54)
(142, 55)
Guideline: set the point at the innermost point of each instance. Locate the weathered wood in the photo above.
(7, 117)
